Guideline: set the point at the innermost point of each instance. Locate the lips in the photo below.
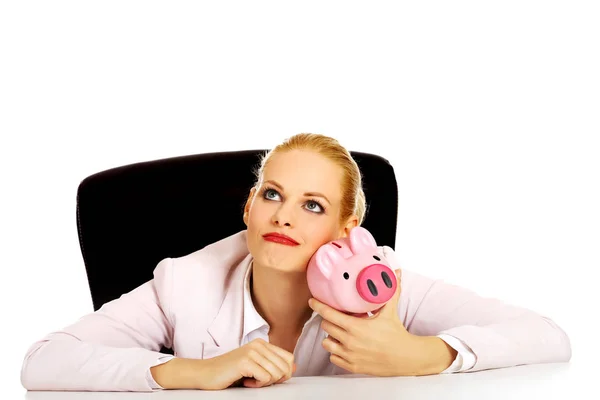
(280, 238)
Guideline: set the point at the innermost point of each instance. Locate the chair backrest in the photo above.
(131, 217)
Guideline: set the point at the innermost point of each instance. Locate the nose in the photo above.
(376, 283)
(283, 216)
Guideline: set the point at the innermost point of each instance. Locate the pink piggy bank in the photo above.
(351, 274)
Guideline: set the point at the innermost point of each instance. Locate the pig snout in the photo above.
(376, 283)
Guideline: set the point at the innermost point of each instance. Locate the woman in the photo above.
(239, 311)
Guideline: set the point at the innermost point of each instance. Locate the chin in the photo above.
(281, 264)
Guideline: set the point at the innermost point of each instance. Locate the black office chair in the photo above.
(131, 217)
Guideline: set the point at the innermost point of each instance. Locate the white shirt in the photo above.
(309, 355)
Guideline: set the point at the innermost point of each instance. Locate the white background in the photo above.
(488, 111)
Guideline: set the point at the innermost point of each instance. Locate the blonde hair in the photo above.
(353, 196)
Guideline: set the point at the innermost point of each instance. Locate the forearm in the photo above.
(527, 340)
(66, 364)
(180, 373)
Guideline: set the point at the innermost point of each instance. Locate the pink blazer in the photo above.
(194, 305)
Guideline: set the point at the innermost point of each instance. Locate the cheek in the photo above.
(321, 235)
(258, 215)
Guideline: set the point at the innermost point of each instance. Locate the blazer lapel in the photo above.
(227, 327)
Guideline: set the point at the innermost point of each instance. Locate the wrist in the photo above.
(178, 373)
(437, 355)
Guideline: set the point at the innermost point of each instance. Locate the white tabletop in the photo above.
(542, 381)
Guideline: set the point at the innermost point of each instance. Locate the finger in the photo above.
(335, 331)
(334, 347)
(270, 363)
(267, 348)
(253, 383)
(342, 363)
(284, 358)
(256, 375)
(281, 380)
(286, 355)
(285, 378)
(331, 314)
(280, 357)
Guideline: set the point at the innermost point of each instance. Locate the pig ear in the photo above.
(327, 258)
(361, 240)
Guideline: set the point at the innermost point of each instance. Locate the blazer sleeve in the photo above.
(499, 334)
(111, 349)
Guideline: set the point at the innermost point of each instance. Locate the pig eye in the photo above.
(377, 258)
(346, 276)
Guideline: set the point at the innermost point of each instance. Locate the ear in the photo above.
(361, 240)
(351, 223)
(327, 258)
(248, 204)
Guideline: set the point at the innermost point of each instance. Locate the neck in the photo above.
(281, 298)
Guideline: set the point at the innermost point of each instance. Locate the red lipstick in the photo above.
(280, 238)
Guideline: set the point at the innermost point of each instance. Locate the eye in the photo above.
(314, 206)
(346, 276)
(270, 194)
(377, 258)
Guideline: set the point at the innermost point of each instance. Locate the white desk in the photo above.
(543, 381)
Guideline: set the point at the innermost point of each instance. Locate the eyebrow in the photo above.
(309, 194)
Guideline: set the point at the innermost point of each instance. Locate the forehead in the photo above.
(306, 171)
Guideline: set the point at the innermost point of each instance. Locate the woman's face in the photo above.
(299, 196)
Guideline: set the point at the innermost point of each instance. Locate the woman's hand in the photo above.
(256, 364)
(380, 345)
